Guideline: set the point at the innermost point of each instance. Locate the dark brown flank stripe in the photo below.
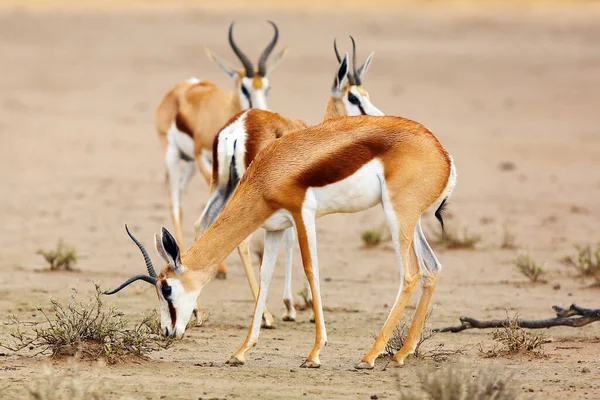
(182, 125)
(343, 163)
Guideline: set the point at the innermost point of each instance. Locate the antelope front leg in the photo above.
(307, 239)
(288, 299)
(244, 252)
(172, 160)
(272, 245)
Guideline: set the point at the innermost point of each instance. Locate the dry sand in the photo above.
(80, 158)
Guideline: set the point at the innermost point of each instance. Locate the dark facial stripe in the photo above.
(173, 314)
(355, 100)
(247, 95)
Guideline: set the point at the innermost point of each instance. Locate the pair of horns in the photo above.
(150, 278)
(354, 76)
(262, 61)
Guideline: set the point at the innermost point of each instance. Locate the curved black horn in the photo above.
(336, 50)
(262, 61)
(147, 259)
(144, 278)
(243, 58)
(356, 77)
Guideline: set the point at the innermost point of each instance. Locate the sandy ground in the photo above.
(80, 158)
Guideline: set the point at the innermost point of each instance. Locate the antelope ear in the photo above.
(276, 60)
(342, 73)
(171, 249)
(224, 65)
(159, 248)
(362, 71)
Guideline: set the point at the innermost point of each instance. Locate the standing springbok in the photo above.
(191, 114)
(246, 134)
(299, 178)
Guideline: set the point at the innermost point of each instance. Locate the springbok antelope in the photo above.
(191, 114)
(246, 134)
(299, 178)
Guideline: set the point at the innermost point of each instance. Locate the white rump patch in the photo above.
(193, 80)
(233, 133)
(181, 141)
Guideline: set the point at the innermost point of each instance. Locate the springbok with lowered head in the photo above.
(191, 114)
(246, 134)
(298, 178)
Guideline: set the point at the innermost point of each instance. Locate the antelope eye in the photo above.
(353, 99)
(166, 291)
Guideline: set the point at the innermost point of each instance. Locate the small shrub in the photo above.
(451, 383)
(512, 339)
(508, 239)
(88, 330)
(453, 240)
(401, 332)
(307, 303)
(528, 267)
(65, 386)
(63, 257)
(371, 238)
(587, 261)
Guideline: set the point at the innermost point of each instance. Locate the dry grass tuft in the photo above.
(63, 257)
(453, 240)
(451, 383)
(401, 332)
(307, 305)
(513, 339)
(587, 261)
(65, 386)
(371, 238)
(529, 268)
(508, 239)
(88, 330)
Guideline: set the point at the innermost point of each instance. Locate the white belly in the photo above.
(280, 220)
(359, 191)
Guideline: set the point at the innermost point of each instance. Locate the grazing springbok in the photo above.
(246, 134)
(299, 178)
(192, 113)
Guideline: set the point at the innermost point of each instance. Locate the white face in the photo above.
(251, 97)
(359, 104)
(176, 307)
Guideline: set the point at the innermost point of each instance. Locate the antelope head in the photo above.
(251, 84)
(177, 287)
(350, 97)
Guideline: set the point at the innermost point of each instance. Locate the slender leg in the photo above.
(188, 173)
(174, 176)
(402, 227)
(198, 313)
(432, 267)
(272, 245)
(309, 299)
(244, 252)
(288, 300)
(204, 167)
(307, 239)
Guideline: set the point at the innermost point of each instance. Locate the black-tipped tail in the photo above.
(439, 211)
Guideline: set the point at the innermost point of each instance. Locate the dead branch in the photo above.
(563, 318)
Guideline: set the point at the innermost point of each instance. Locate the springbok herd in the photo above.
(269, 171)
